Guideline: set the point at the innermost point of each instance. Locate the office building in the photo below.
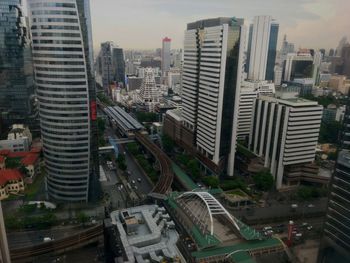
(262, 45)
(63, 64)
(4, 248)
(343, 41)
(149, 94)
(212, 75)
(284, 132)
(166, 55)
(335, 243)
(106, 69)
(16, 70)
(345, 55)
(250, 90)
(118, 66)
(298, 65)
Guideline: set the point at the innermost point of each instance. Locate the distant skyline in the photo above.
(141, 24)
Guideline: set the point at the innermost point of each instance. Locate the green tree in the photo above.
(211, 181)
(146, 116)
(121, 162)
(168, 143)
(233, 184)
(82, 218)
(329, 133)
(12, 162)
(305, 193)
(263, 180)
(193, 168)
(101, 125)
(133, 148)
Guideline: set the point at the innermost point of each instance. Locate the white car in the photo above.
(133, 181)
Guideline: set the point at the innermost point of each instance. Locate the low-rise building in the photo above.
(11, 182)
(18, 139)
(147, 234)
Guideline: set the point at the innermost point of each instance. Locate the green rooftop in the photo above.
(183, 177)
(244, 246)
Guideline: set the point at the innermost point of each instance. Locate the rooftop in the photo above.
(7, 175)
(30, 159)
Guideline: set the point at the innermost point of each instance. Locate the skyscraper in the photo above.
(335, 242)
(118, 65)
(262, 48)
(16, 70)
(166, 56)
(212, 74)
(4, 248)
(106, 64)
(63, 64)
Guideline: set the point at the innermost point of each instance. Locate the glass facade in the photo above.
(271, 55)
(16, 71)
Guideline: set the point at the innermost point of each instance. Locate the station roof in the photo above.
(124, 119)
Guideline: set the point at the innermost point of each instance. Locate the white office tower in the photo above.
(285, 132)
(212, 69)
(298, 65)
(262, 48)
(166, 55)
(250, 90)
(62, 54)
(149, 93)
(278, 70)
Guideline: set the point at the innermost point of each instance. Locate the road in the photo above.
(143, 187)
(29, 238)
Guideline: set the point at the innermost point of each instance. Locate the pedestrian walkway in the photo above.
(183, 177)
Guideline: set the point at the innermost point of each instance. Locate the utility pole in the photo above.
(4, 248)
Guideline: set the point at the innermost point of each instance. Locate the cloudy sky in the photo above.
(141, 24)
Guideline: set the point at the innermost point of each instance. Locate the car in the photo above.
(133, 182)
(139, 180)
(309, 228)
(267, 228)
(135, 187)
(304, 224)
(310, 206)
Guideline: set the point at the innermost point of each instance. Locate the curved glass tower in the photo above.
(62, 57)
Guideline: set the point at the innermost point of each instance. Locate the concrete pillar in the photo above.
(4, 249)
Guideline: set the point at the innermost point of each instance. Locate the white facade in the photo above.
(210, 97)
(61, 70)
(259, 47)
(284, 132)
(166, 55)
(149, 93)
(278, 75)
(250, 90)
(291, 57)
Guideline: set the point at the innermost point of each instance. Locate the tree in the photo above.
(133, 148)
(193, 167)
(82, 218)
(121, 162)
(233, 184)
(305, 193)
(146, 116)
(329, 133)
(211, 181)
(263, 180)
(101, 125)
(168, 143)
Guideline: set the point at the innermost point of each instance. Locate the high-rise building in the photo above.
(345, 55)
(298, 66)
(118, 65)
(335, 242)
(250, 90)
(284, 132)
(63, 65)
(341, 44)
(4, 248)
(149, 92)
(212, 75)
(16, 70)
(262, 45)
(166, 55)
(106, 64)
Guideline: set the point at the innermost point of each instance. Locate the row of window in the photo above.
(55, 41)
(50, 76)
(56, 19)
(63, 108)
(54, 12)
(55, 27)
(60, 69)
(65, 63)
(63, 96)
(69, 5)
(50, 55)
(58, 48)
(50, 34)
(71, 83)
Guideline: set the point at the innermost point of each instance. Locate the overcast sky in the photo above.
(141, 24)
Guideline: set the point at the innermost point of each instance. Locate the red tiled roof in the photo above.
(4, 152)
(18, 154)
(9, 175)
(35, 150)
(30, 159)
(2, 159)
